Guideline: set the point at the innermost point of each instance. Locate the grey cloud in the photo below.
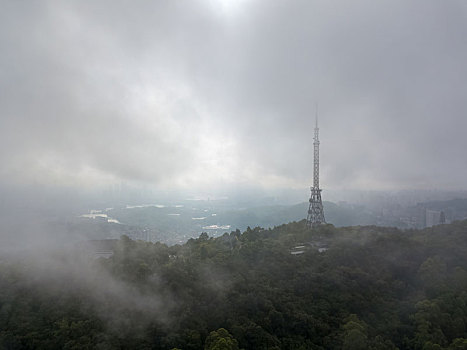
(66, 96)
(126, 89)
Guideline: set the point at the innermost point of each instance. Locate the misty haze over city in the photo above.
(106, 104)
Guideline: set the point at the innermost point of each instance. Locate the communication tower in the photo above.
(315, 210)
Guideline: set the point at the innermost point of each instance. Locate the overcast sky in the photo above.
(223, 92)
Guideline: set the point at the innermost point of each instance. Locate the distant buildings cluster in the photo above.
(422, 215)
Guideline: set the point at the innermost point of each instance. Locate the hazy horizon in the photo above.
(107, 104)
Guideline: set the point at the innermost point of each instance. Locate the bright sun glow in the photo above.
(227, 7)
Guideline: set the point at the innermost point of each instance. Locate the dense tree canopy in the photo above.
(351, 288)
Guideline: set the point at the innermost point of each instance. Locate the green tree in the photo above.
(458, 344)
(355, 334)
(220, 340)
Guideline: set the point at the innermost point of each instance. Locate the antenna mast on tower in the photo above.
(315, 210)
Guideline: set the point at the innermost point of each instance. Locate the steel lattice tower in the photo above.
(315, 210)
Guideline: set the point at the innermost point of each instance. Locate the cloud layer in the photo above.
(197, 93)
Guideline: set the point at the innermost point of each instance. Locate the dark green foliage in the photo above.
(220, 340)
(352, 288)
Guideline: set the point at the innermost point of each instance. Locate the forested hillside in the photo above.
(351, 288)
(176, 224)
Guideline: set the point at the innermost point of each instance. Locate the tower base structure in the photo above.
(315, 210)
